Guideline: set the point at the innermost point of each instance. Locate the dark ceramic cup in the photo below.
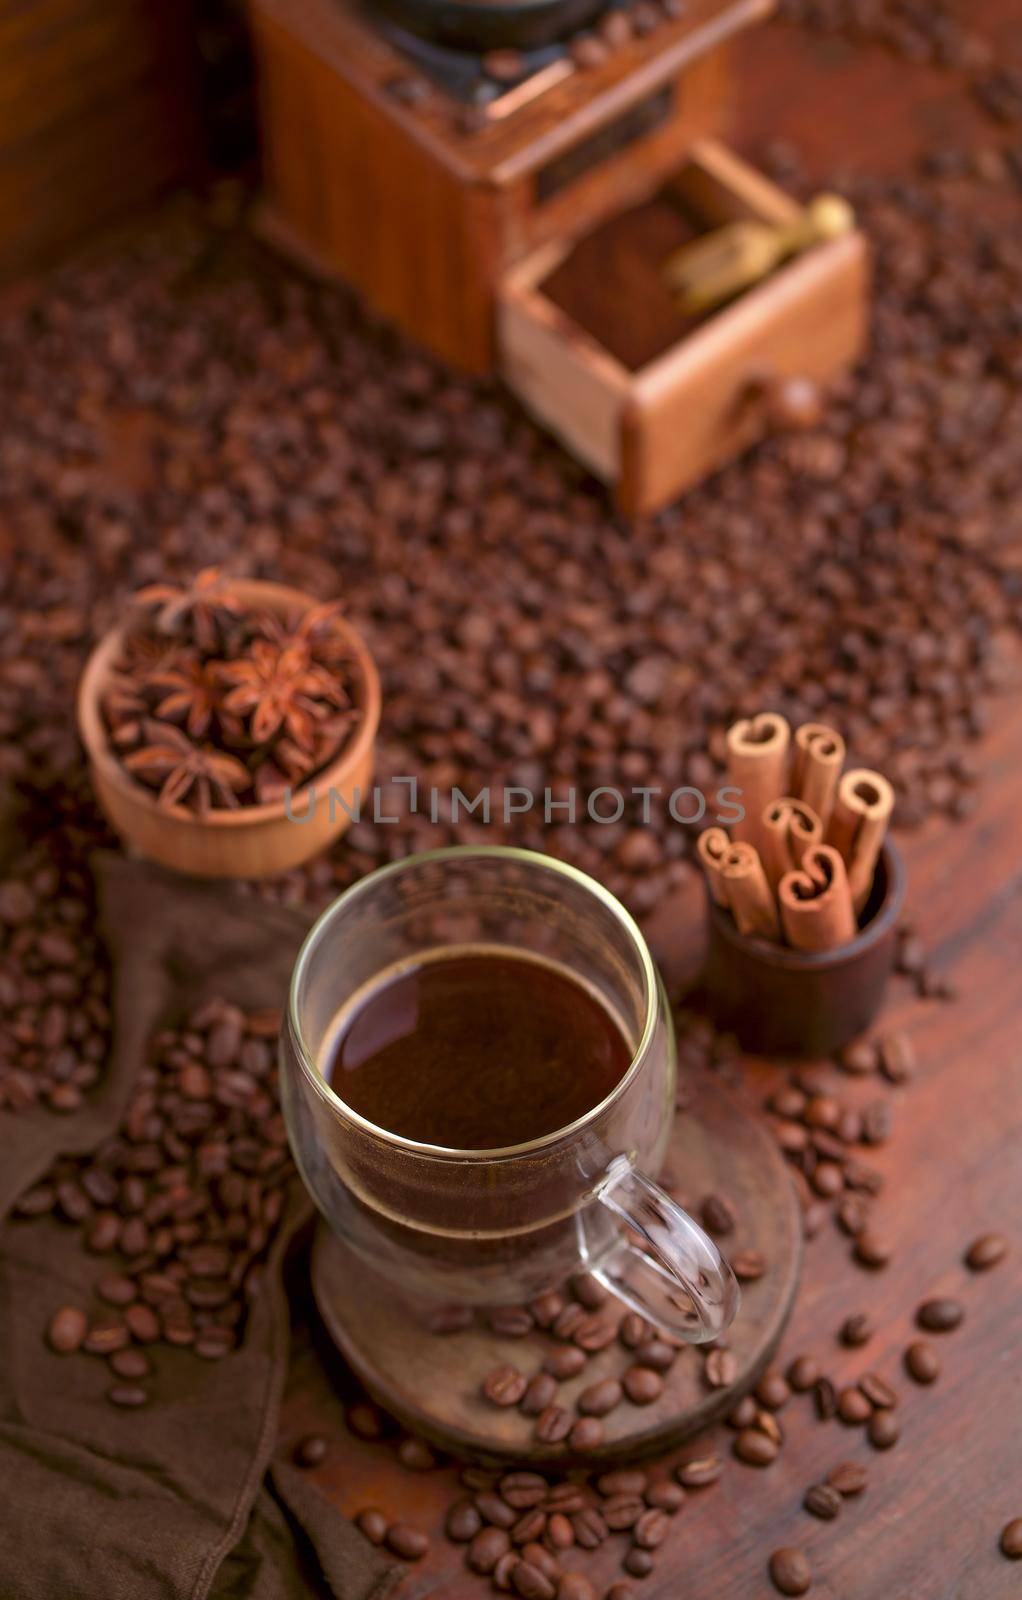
(779, 1001)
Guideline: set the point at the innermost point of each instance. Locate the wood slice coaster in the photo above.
(432, 1383)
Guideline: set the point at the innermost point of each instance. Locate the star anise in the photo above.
(193, 694)
(187, 771)
(281, 690)
(316, 630)
(201, 608)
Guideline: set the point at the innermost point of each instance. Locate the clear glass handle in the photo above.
(669, 1271)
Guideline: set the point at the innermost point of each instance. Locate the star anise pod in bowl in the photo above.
(195, 612)
(182, 770)
(279, 690)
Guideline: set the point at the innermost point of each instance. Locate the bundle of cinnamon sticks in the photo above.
(799, 867)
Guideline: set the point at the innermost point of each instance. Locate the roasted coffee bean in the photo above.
(586, 1434)
(522, 1489)
(504, 1571)
(700, 1473)
(411, 1544)
(857, 1329)
(863, 1178)
(853, 1406)
(656, 1353)
(622, 1511)
(567, 1497)
(1011, 1539)
(824, 1399)
(542, 1558)
(940, 1315)
(922, 1361)
(531, 1525)
(105, 1335)
(651, 1529)
(477, 1478)
(463, 1521)
(568, 1320)
(767, 1423)
(859, 1058)
(539, 1393)
(633, 1330)
(822, 1111)
(531, 1583)
(620, 1591)
(564, 1363)
(600, 1398)
(986, 1251)
(373, 1524)
(504, 1386)
(510, 1322)
(852, 1214)
(773, 1390)
(747, 1265)
(872, 1249)
(415, 1455)
(311, 1450)
(754, 1448)
(848, 1477)
(594, 1333)
(792, 1138)
(718, 1214)
(588, 1291)
(743, 1414)
(129, 1396)
(546, 1308)
(638, 1562)
(575, 1586)
(553, 1425)
(142, 1323)
(789, 1571)
(493, 1508)
(803, 1373)
(877, 1391)
(67, 1329)
(131, 1363)
(884, 1429)
(720, 1368)
(365, 1421)
(665, 1496)
(828, 1179)
(589, 1528)
(622, 1481)
(897, 1058)
(116, 1289)
(877, 1121)
(642, 1385)
(487, 1548)
(787, 1101)
(559, 1533)
(822, 1501)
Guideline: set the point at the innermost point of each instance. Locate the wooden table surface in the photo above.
(928, 1526)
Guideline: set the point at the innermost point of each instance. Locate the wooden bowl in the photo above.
(254, 841)
(786, 1002)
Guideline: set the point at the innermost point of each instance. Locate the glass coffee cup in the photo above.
(447, 1226)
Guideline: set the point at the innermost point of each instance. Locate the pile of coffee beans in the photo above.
(181, 1205)
(931, 33)
(54, 981)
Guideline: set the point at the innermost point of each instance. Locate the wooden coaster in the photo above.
(431, 1382)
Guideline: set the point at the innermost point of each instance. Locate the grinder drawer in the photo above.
(592, 343)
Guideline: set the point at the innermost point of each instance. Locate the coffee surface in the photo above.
(477, 1051)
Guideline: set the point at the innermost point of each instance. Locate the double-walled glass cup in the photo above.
(478, 1227)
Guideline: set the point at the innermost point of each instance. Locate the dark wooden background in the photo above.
(928, 1525)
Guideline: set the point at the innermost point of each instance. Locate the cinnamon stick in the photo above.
(858, 826)
(712, 846)
(757, 763)
(789, 828)
(816, 902)
(748, 891)
(817, 760)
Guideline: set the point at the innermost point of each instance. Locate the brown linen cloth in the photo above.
(165, 1503)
